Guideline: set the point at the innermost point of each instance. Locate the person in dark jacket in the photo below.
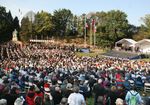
(99, 91)
(57, 95)
(12, 96)
(112, 94)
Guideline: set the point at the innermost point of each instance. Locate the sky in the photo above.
(135, 9)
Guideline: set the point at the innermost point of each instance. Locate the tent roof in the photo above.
(143, 41)
(131, 41)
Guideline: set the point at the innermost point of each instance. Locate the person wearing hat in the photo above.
(48, 99)
(76, 98)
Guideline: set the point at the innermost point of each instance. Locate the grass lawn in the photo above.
(93, 53)
(90, 101)
(146, 59)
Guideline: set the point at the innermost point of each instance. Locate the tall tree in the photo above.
(112, 26)
(6, 26)
(60, 19)
(146, 26)
(16, 23)
(144, 29)
(43, 24)
(25, 33)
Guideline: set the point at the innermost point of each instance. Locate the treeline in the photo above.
(108, 27)
(7, 25)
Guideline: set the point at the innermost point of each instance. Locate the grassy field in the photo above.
(146, 59)
(93, 53)
(90, 101)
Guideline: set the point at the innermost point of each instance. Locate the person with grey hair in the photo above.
(119, 101)
(76, 98)
(3, 102)
(64, 101)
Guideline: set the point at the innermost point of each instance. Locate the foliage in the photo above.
(25, 32)
(6, 25)
(111, 26)
(43, 24)
(144, 30)
(60, 19)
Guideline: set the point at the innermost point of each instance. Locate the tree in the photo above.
(25, 32)
(146, 26)
(43, 24)
(60, 19)
(111, 26)
(6, 25)
(144, 29)
(16, 24)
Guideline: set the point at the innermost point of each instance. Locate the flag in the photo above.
(93, 25)
(85, 23)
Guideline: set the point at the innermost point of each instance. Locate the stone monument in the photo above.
(14, 38)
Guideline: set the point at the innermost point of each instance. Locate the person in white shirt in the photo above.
(76, 98)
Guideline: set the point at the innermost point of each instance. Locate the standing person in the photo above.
(133, 97)
(30, 96)
(100, 92)
(76, 98)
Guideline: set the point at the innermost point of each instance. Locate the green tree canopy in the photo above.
(6, 25)
(43, 24)
(25, 31)
(111, 26)
(60, 19)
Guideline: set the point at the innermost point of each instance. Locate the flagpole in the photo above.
(91, 42)
(84, 30)
(94, 37)
(94, 33)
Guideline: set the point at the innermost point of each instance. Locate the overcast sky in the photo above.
(135, 9)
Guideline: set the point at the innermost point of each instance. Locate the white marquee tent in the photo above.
(143, 45)
(126, 43)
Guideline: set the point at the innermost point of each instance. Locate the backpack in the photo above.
(133, 100)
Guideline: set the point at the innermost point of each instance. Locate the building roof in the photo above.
(143, 41)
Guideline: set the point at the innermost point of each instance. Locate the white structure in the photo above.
(126, 44)
(14, 34)
(143, 46)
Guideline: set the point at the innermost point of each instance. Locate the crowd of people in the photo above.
(54, 75)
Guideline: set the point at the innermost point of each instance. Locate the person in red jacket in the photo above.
(30, 96)
(38, 93)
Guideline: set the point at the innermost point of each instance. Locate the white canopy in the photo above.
(126, 42)
(143, 45)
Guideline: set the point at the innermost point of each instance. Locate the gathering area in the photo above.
(35, 71)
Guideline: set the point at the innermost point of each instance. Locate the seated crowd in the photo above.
(55, 75)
